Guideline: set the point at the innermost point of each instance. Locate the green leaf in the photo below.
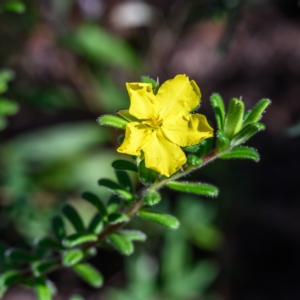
(72, 257)
(154, 83)
(246, 133)
(147, 176)
(113, 121)
(193, 148)
(72, 215)
(13, 6)
(88, 273)
(116, 188)
(58, 227)
(222, 142)
(241, 152)
(160, 218)
(121, 243)
(124, 165)
(127, 116)
(79, 239)
(194, 187)
(113, 204)
(234, 118)
(43, 289)
(116, 218)
(8, 107)
(147, 79)
(94, 200)
(42, 267)
(219, 109)
(19, 255)
(96, 225)
(193, 160)
(49, 243)
(256, 112)
(8, 279)
(124, 180)
(133, 235)
(152, 197)
(205, 147)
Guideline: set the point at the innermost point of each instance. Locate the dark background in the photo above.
(71, 60)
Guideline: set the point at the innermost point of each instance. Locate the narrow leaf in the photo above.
(152, 197)
(72, 215)
(160, 218)
(72, 257)
(147, 176)
(124, 180)
(19, 255)
(154, 83)
(94, 200)
(114, 121)
(219, 109)
(124, 165)
(234, 117)
(256, 112)
(96, 225)
(133, 235)
(88, 273)
(58, 227)
(43, 290)
(246, 133)
(241, 152)
(79, 239)
(194, 187)
(121, 243)
(8, 279)
(222, 142)
(115, 218)
(39, 268)
(49, 243)
(127, 116)
(113, 204)
(116, 188)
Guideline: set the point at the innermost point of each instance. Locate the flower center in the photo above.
(153, 122)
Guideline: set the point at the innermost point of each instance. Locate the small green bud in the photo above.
(113, 121)
(234, 118)
(152, 197)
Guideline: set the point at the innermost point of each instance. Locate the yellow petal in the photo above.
(178, 96)
(188, 130)
(142, 100)
(136, 137)
(162, 155)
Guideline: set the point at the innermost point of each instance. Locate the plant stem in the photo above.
(134, 208)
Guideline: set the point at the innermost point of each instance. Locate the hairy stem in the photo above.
(133, 209)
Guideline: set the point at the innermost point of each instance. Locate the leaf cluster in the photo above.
(107, 225)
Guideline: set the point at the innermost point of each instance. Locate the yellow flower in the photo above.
(162, 123)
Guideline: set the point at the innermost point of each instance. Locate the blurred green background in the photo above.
(70, 61)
